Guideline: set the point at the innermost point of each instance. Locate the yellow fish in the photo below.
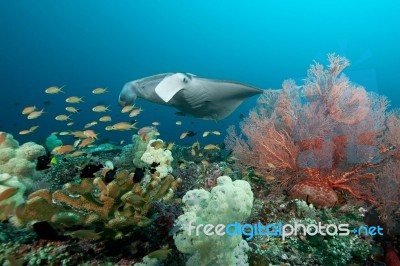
(183, 135)
(86, 142)
(170, 145)
(216, 133)
(105, 118)
(90, 124)
(211, 147)
(74, 99)
(24, 132)
(70, 124)
(8, 193)
(64, 133)
(90, 134)
(33, 128)
(29, 109)
(100, 109)
(72, 109)
(78, 134)
(53, 160)
(63, 117)
(54, 90)
(206, 133)
(35, 114)
(99, 91)
(59, 150)
(123, 126)
(127, 108)
(135, 112)
(155, 123)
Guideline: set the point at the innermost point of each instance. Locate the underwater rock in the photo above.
(316, 193)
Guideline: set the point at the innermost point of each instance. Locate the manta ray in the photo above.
(208, 99)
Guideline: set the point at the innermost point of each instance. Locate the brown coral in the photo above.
(119, 204)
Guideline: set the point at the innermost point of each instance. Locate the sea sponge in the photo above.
(229, 202)
(52, 141)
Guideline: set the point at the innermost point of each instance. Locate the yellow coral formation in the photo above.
(116, 205)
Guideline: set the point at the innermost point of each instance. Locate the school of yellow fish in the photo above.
(87, 137)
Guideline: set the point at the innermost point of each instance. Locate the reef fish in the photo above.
(100, 109)
(99, 91)
(54, 90)
(62, 149)
(86, 234)
(29, 109)
(35, 114)
(74, 99)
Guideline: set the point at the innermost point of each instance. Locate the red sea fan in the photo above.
(324, 136)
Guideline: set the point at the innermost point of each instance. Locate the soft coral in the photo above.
(326, 135)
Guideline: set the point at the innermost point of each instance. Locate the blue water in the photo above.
(89, 44)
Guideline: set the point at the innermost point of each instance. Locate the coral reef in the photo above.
(310, 249)
(234, 201)
(315, 139)
(115, 206)
(158, 156)
(17, 169)
(18, 160)
(310, 154)
(15, 189)
(52, 141)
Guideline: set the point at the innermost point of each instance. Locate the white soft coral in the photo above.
(158, 155)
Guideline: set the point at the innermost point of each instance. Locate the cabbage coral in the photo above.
(228, 202)
(18, 160)
(17, 168)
